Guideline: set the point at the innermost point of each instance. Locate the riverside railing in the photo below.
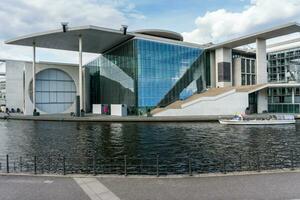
(152, 165)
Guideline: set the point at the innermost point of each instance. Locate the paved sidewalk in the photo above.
(261, 186)
(39, 188)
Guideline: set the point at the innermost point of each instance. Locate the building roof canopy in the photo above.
(95, 39)
(266, 34)
(161, 33)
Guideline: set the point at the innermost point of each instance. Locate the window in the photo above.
(55, 91)
(252, 66)
(248, 71)
(243, 65)
(243, 79)
(248, 66)
(224, 72)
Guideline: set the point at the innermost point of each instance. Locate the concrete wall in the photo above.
(223, 55)
(229, 104)
(70, 70)
(15, 84)
(19, 77)
(262, 100)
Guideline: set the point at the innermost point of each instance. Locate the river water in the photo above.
(207, 142)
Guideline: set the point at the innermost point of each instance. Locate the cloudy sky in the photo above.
(200, 21)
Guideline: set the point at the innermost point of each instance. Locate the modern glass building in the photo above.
(284, 67)
(145, 73)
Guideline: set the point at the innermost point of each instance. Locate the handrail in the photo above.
(152, 165)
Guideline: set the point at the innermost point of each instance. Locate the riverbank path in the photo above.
(273, 186)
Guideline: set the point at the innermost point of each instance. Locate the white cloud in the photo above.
(19, 17)
(221, 24)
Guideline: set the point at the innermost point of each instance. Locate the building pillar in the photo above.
(261, 62)
(293, 95)
(33, 76)
(80, 92)
(212, 58)
(223, 66)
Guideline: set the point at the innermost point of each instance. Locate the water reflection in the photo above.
(207, 141)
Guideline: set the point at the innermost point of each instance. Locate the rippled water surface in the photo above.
(109, 140)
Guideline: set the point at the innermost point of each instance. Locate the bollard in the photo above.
(0, 166)
(21, 164)
(190, 167)
(35, 167)
(64, 165)
(94, 165)
(292, 160)
(157, 166)
(7, 163)
(125, 165)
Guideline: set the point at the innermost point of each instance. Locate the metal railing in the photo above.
(153, 165)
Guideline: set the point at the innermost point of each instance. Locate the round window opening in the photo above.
(55, 91)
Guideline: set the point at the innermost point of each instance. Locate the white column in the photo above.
(223, 56)
(261, 62)
(80, 73)
(293, 95)
(212, 69)
(33, 76)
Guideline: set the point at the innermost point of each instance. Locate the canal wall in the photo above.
(107, 118)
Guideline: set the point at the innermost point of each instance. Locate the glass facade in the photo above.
(144, 74)
(248, 72)
(284, 67)
(284, 100)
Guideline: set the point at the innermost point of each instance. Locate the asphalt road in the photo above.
(262, 186)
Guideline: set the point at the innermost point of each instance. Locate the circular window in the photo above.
(55, 91)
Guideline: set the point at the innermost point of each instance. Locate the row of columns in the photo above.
(79, 90)
(223, 56)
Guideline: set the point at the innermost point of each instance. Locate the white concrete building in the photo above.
(56, 86)
(241, 79)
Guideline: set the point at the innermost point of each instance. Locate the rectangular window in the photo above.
(253, 81)
(248, 79)
(243, 79)
(243, 65)
(224, 72)
(252, 66)
(248, 66)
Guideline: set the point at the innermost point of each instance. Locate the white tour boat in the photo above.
(276, 119)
